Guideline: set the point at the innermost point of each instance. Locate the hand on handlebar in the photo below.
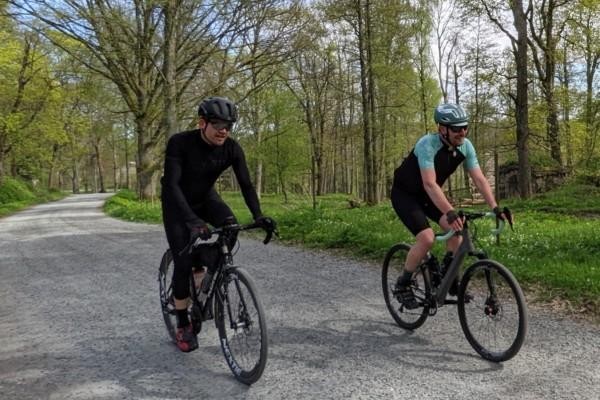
(266, 223)
(269, 225)
(504, 215)
(454, 220)
(199, 230)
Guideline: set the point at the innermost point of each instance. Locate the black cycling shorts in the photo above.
(213, 211)
(414, 209)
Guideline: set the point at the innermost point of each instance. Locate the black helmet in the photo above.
(218, 108)
(450, 114)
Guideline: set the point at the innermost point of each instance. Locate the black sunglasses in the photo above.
(457, 129)
(220, 125)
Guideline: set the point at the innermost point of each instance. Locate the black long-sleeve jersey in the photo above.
(192, 167)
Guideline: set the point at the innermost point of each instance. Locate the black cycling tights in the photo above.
(215, 212)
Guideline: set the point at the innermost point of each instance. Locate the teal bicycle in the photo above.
(491, 305)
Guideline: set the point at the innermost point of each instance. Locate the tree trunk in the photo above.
(368, 142)
(545, 38)
(115, 162)
(75, 177)
(258, 173)
(566, 81)
(169, 68)
(126, 141)
(52, 163)
(99, 168)
(521, 103)
(145, 161)
(2, 158)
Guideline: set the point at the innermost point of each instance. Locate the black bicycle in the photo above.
(491, 305)
(228, 295)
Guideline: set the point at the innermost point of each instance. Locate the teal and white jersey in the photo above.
(431, 153)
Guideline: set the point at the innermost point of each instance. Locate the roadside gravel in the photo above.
(80, 319)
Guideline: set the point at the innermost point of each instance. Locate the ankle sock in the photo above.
(405, 278)
(182, 318)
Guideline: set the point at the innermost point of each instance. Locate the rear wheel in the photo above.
(495, 318)
(240, 320)
(393, 267)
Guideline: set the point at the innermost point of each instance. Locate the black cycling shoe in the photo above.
(405, 295)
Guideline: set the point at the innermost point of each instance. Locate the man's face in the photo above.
(456, 134)
(215, 131)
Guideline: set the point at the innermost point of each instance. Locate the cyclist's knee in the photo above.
(425, 239)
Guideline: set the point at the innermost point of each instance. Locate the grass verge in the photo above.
(553, 251)
(16, 195)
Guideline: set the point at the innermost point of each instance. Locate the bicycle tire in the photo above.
(165, 275)
(240, 320)
(497, 301)
(393, 266)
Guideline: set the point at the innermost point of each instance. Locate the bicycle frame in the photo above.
(466, 248)
(212, 283)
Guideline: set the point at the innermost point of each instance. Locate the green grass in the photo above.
(16, 195)
(554, 248)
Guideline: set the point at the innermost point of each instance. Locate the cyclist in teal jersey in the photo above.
(417, 190)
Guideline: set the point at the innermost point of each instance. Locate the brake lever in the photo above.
(270, 235)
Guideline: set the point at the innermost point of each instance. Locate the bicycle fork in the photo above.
(241, 320)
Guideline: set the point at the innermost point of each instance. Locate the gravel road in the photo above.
(80, 319)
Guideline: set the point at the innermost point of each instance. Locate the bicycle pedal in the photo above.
(450, 301)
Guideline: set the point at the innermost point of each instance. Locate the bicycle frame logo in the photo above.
(230, 360)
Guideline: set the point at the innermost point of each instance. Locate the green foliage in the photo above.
(125, 205)
(554, 245)
(16, 195)
(12, 190)
(572, 199)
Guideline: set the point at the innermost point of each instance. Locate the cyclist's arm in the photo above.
(425, 151)
(435, 192)
(480, 181)
(483, 186)
(240, 168)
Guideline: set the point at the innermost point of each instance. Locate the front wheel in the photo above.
(240, 319)
(393, 267)
(494, 320)
(165, 274)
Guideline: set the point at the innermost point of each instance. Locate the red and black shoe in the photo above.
(185, 339)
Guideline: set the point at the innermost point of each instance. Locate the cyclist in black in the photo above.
(417, 190)
(194, 160)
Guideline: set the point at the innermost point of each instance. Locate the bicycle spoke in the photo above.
(242, 327)
(494, 321)
(393, 267)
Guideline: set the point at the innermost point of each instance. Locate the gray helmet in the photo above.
(450, 114)
(218, 108)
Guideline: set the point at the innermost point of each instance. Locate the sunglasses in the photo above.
(457, 129)
(220, 125)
